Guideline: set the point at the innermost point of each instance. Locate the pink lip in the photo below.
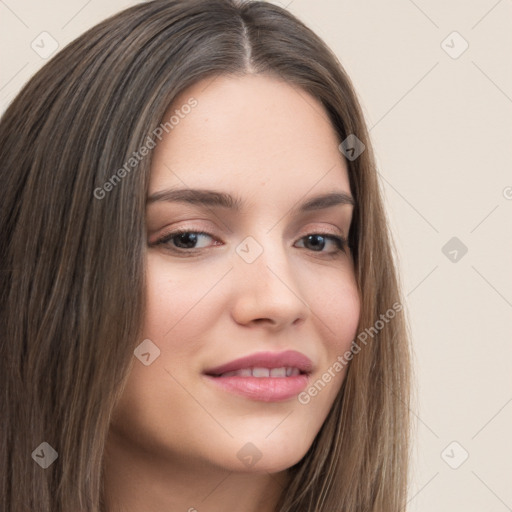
(265, 360)
(265, 389)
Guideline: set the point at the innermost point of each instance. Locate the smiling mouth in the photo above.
(262, 384)
(260, 372)
(263, 376)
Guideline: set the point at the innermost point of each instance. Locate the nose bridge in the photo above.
(260, 253)
(264, 268)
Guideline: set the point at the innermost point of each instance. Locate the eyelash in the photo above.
(340, 242)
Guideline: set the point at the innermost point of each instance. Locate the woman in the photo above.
(200, 308)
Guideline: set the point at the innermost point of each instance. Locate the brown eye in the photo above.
(183, 240)
(316, 242)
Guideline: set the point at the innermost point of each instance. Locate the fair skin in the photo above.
(175, 436)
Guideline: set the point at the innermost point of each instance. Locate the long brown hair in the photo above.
(72, 265)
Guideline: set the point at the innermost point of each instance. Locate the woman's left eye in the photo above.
(184, 241)
(316, 239)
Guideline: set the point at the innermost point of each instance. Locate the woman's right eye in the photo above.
(183, 240)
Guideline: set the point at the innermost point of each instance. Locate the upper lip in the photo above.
(289, 358)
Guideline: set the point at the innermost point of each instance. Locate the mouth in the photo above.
(265, 376)
(261, 372)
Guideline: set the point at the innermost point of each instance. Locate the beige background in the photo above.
(442, 131)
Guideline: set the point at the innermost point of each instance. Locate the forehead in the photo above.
(248, 133)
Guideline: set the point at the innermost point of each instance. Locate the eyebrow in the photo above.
(213, 198)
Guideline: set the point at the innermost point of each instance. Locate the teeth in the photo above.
(264, 372)
(260, 372)
(278, 372)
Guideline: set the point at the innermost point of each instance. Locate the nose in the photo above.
(267, 291)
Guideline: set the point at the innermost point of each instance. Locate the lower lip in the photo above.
(264, 389)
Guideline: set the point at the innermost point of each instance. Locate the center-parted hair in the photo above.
(72, 264)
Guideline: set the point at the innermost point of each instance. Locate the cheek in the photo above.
(343, 314)
(335, 308)
(335, 313)
(169, 294)
(178, 302)
(176, 317)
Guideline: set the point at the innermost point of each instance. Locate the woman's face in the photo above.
(266, 279)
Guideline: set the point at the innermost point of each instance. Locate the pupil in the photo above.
(310, 237)
(183, 239)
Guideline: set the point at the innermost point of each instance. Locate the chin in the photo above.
(264, 455)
